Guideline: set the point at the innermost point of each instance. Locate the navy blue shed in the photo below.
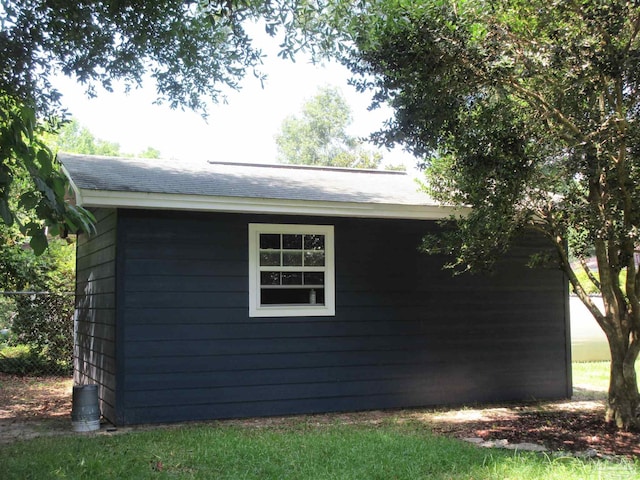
(220, 290)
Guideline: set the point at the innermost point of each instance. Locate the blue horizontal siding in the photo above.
(95, 319)
(405, 332)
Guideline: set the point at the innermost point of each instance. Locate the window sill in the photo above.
(292, 311)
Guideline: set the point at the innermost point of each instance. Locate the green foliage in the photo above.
(396, 168)
(45, 324)
(150, 152)
(529, 113)
(590, 287)
(25, 360)
(32, 185)
(42, 320)
(75, 138)
(517, 108)
(7, 312)
(21, 269)
(189, 50)
(319, 136)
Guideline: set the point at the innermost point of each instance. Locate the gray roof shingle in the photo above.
(219, 179)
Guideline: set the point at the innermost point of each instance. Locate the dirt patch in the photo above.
(575, 426)
(32, 407)
(34, 397)
(556, 426)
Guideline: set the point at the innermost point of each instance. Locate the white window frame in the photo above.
(258, 310)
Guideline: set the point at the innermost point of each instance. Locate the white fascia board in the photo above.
(165, 201)
(77, 193)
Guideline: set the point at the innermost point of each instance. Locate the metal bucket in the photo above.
(85, 411)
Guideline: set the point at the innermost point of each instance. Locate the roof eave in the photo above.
(77, 193)
(165, 201)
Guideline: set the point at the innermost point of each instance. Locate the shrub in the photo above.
(45, 322)
(42, 320)
(7, 311)
(24, 360)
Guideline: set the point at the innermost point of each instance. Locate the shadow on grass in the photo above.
(588, 393)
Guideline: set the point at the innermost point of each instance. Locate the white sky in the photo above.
(242, 130)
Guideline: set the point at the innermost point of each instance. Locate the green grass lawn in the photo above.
(388, 451)
(594, 374)
(394, 449)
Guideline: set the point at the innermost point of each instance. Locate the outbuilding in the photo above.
(220, 290)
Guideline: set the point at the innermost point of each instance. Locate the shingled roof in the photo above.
(256, 188)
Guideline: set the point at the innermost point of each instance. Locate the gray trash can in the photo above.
(85, 410)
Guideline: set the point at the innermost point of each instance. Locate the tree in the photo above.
(319, 136)
(150, 152)
(32, 186)
(75, 138)
(528, 111)
(190, 49)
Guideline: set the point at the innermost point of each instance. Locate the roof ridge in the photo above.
(283, 166)
(308, 167)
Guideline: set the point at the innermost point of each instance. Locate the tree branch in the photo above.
(590, 274)
(635, 29)
(557, 114)
(558, 241)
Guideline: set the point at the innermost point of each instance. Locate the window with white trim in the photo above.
(291, 270)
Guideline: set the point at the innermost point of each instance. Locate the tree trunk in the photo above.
(623, 399)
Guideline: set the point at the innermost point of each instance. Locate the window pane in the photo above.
(292, 242)
(292, 259)
(292, 278)
(319, 296)
(314, 278)
(314, 259)
(270, 241)
(291, 296)
(269, 278)
(314, 242)
(269, 259)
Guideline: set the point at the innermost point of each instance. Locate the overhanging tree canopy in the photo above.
(528, 111)
(191, 49)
